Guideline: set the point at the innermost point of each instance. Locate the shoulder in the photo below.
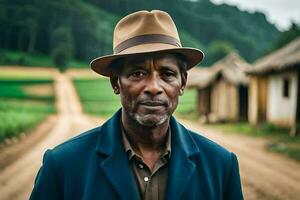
(212, 153)
(206, 145)
(76, 147)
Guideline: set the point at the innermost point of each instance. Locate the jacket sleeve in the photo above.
(234, 188)
(46, 183)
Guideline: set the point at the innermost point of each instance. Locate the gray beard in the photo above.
(144, 122)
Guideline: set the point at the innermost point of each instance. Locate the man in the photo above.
(142, 152)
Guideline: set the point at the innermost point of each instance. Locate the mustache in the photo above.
(153, 102)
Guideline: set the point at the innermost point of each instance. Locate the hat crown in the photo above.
(140, 23)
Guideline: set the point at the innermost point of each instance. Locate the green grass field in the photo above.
(98, 98)
(24, 103)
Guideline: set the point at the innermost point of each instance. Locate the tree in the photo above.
(217, 50)
(62, 47)
(287, 36)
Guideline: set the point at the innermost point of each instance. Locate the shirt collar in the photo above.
(131, 153)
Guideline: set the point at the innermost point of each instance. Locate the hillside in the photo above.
(31, 25)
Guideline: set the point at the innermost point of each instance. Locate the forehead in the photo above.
(166, 60)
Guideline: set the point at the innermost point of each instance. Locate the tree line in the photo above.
(84, 29)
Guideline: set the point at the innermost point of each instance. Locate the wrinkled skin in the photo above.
(149, 89)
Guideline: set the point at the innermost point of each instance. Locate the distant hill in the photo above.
(29, 26)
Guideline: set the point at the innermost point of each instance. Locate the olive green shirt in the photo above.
(152, 184)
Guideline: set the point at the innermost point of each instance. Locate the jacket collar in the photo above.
(181, 167)
(116, 164)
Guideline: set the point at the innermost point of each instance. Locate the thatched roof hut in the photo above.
(284, 59)
(232, 68)
(222, 89)
(274, 88)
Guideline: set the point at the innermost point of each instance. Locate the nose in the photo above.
(153, 85)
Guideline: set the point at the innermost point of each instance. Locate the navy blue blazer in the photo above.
(94, 165)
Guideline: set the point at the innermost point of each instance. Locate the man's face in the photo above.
(149, 88)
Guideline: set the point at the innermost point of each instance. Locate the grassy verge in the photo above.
(24, 103)
(279, 139)
(97, 98)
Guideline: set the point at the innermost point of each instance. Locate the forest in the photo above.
(83, 29)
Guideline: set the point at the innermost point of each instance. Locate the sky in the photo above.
(278, 12)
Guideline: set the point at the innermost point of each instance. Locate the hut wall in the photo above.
(282, 105)
(225, 101)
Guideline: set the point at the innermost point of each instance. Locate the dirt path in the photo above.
(265, 175)
(16, 179)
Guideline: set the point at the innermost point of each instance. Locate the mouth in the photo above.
(153, 103)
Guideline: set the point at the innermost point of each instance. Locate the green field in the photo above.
(98, 98)
(24, 102)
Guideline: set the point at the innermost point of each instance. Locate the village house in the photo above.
(222, 90)
(274, 88)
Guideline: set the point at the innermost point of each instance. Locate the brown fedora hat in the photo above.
(145, 32)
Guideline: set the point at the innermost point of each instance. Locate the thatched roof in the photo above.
(199, 77)
(285, 58)
(232, 68)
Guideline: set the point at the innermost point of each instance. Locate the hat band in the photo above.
(146, 39)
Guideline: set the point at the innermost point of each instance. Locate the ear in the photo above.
(115, 84)
(183, 82)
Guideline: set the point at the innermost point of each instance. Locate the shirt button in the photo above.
(141, 166)
(146, 179)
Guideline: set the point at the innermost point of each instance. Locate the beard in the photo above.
(150, 120)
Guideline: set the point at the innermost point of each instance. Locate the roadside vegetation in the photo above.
(25, 101)
(98, 98)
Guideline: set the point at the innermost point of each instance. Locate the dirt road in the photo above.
(265, 175)
(16, 179)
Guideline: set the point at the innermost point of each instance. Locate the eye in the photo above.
(138, 74)
(168, 74)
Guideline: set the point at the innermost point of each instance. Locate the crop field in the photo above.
(97, 98)
(25, 101)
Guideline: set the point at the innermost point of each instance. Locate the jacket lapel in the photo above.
(181, 166)
(115, 165)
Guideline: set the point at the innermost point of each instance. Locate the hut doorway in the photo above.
(243, 94)
(203, 101)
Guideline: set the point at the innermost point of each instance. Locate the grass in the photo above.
(8, 57)
(24, 103)
(18, 116)
(187, 104)
(279, 139)
(17, 89)
(98, 98)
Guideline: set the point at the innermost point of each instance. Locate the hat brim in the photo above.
(101, 64)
